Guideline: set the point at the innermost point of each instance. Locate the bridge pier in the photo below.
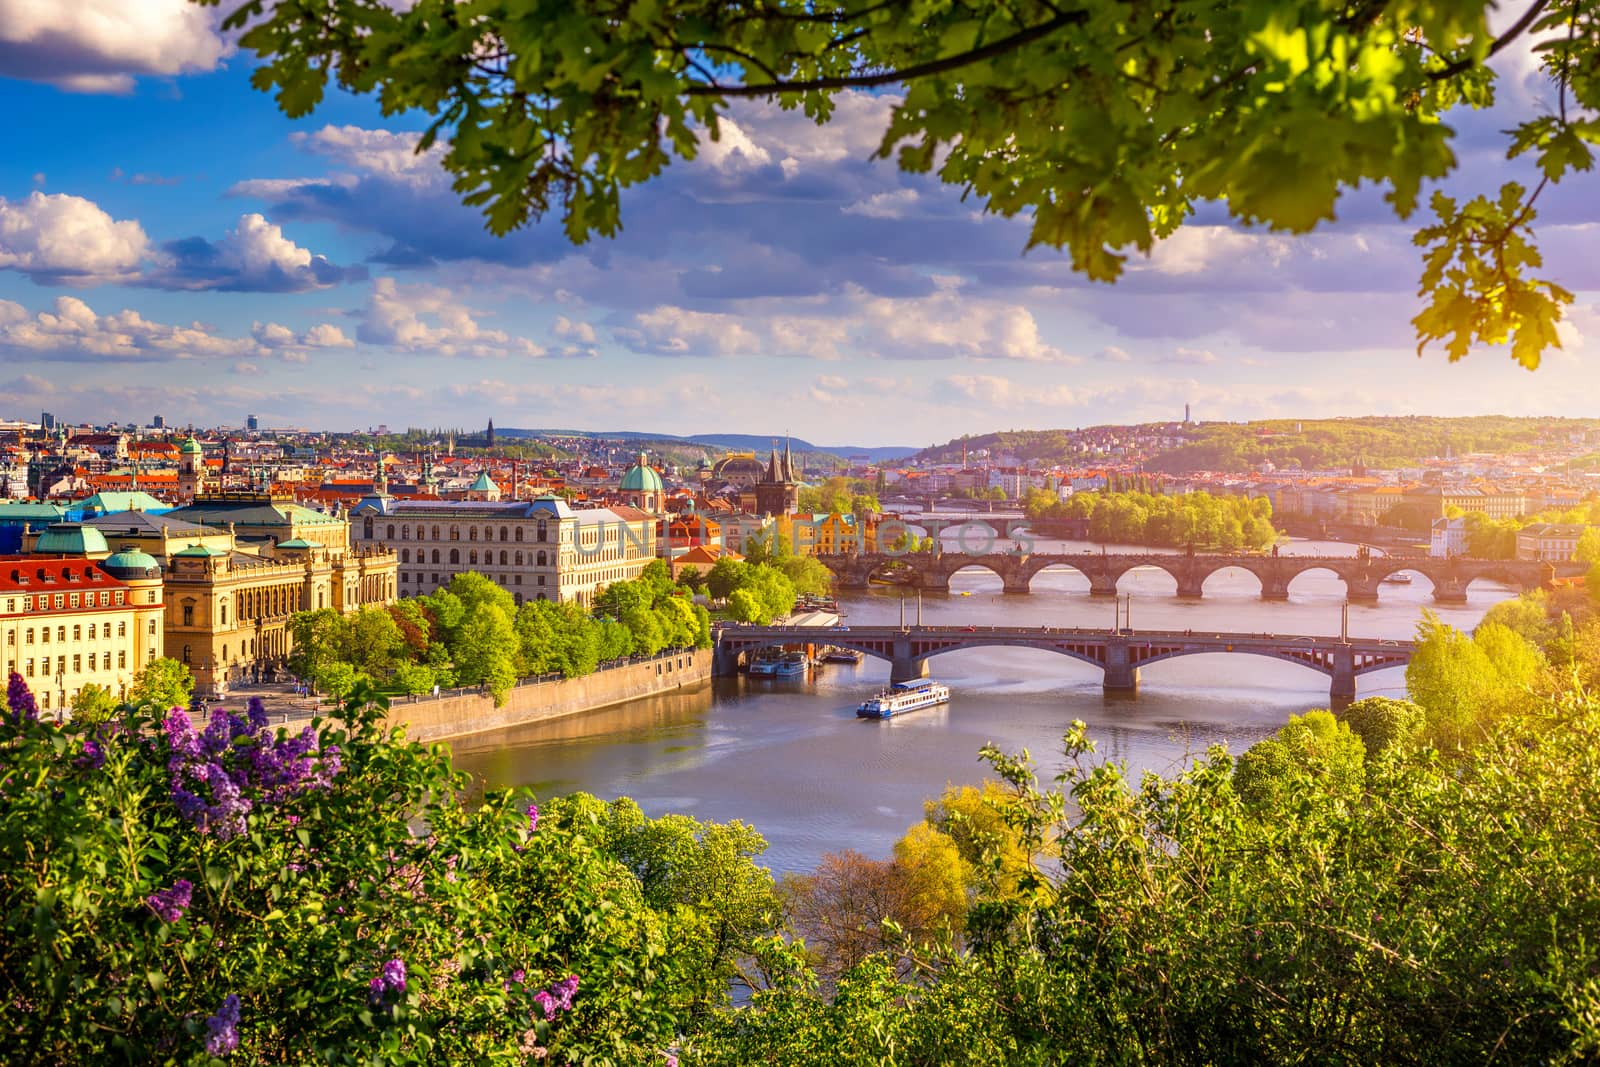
(1343, 690)
(1017, 585)
(724, 661)
(1102, 586)
(1448, 592)
(907, 669)
(1121, 675)
(1360, 592)
(1274, 589)
(1191, 588)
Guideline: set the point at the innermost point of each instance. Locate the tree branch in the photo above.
(892, 77)
(1517, 29)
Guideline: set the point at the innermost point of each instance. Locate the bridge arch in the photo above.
(1233, 574)
(1318, 575)
(1034, 568)
(1155, 585)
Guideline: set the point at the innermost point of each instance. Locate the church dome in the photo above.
(191, 447)
(641, 478)
(131, 565)
(71, 539)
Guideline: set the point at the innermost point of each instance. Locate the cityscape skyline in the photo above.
(197, 251)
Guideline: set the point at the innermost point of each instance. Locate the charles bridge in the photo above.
(1118, 653)
(1362, 575)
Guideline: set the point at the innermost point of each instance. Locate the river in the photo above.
(791, 758)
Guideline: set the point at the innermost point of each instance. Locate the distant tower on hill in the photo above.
(1186, 419)
(491, 433)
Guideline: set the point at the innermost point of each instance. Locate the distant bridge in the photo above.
(1362, 575)
(1119, 654)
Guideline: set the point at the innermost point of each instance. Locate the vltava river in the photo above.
(791, 758)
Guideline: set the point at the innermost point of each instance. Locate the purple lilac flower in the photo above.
(557, 997)
(390, 981)
(533, 817)
(19, 698)
(222, 1035)
(169, 904)
(93, 757)
(221, 774)
(256, 711)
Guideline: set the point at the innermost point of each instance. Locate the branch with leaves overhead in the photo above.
(1105, 123)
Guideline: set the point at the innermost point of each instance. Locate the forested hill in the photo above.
(1310, 443)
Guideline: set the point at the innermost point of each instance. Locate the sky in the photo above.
(171, 244)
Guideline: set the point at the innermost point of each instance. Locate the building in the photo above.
(642, 487)
(1437, 501)
(247, 562)
(68, 621)
(538, 549)
(1552, 542)
(191, 470)
(778, 491)
(158, 422)
(252, 423)
(1449, 538)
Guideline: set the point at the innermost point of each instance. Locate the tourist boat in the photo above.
(902, 697)
(792, 665)
(764, 664)
(1399, 578)
(841, 655)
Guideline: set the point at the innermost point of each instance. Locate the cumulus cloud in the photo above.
(71, 330)
(1000, 393)
(890, 205)
(57, 239)
(428, 319)
(255, 256)
(100, 46)
(390, 155)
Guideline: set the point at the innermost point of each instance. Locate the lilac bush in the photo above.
(19, 699)
(331, 885)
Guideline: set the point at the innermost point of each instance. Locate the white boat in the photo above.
(902, 697)
(1399, 578)
(764, 664)
(792, 665)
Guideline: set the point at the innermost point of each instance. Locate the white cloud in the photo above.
(100, 46)
(950, 325)
(66, 240)
(569, 330)
(1001, 393)
(426, 318)
(889, 205)
(733, 150)
(674, 331)
(387, 154)
(1195, 249)
(1193, 357)
(72, 330)
(254, 256)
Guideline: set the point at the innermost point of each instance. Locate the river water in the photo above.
(789, 756)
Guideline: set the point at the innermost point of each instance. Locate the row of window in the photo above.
(50, 665)
(96, 633)
(368, 529)
(43, 601)
(540, 559)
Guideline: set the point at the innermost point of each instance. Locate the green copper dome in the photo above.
(71, 539)
(131, 563)
(641, 478)
(191, 447)
(483, 484)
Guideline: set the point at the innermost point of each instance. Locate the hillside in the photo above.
(1378, 441)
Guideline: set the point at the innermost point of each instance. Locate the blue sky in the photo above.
(170, 243)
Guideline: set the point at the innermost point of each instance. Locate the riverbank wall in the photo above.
(461, 714)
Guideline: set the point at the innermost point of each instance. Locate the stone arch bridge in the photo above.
(1118, 653)
(1362, 575)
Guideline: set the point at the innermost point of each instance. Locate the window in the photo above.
(502, 533)
(366, 529)
(319, 599)
(91, 631)
(519, 557)
(27, 603)
(436, 555)
(472, 533)
(540, 532)
(455, 533)
(73, 600)
(152, 632)
(61, 633)
(61, 601)
(517, 580)
(122, 657)
(405, 532)
(541, 579)
(92, 661)
(472, 557)
(186, 656)
(77, 664)
(29, 639)
(519, 533)
(224, 653)
(405, 555)
(542, 558)
(224, 607)
(188, 614)
(405, 579)
(436, 533)
(391, 531)
(77, 633)
(455, 555)
(30, 668)
(503, 557)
